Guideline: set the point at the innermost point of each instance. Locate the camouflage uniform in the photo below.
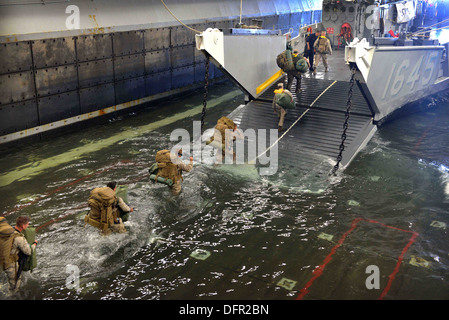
(19, 244)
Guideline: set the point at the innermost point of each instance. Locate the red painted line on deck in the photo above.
(319, 270)
(398, 264)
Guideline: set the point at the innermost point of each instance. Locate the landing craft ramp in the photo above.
(318, 132)
(314, 127)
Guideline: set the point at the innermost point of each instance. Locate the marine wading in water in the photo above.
(168, 169)
(107, 211)
(17, 250)
(225, 133)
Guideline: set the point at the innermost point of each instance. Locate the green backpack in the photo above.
(302, 65)
(285, 61)
(31, 262)
(285, 101)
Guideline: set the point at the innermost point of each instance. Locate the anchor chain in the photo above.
(206, 84)
(346, 123)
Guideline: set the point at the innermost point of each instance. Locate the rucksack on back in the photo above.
(284, 100)
(302, 65)
(226, 121)
(322, 46)
(285, 61)
(101, 202)
(166, 168)
(223, 124)
(6, 240)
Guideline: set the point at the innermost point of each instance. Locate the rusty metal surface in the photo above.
(16, 87)
(20, 51)
(94, 47)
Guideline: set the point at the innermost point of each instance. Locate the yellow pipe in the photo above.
(269, 81)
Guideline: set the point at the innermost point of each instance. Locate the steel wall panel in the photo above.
(181, 36)
(95, 72)
(57, 107)
(158, 83)
(199, 56)
(129, 66)
(157, 38)
(96, 98)
(16, 87)
(56, 80)
(214, 71)
(156, 61)
(53, 52)
(182, 77)
(15, 56)
(201, 27)
(91, 47)
(225, 24)
(18, 116)
(182, 56)
(129, 90)
(199, 72)
(270, 22)
(128, 42)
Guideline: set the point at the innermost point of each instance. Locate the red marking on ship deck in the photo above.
(320, 269)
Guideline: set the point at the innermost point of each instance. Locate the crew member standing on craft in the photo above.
(279, 109)
(310, 52)
(323, 47)
(12, 244)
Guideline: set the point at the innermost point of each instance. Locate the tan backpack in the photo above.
(223, 124)
(166, 168)
(322, 45)
(7, 237)
(101, 201)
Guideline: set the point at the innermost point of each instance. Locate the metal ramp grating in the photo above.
(317, 135)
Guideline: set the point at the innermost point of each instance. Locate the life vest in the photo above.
(345, 32)
(322, 45)
(7, 236)
(101, 203)
(283, 99)
(166, 168)
(285, 61)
